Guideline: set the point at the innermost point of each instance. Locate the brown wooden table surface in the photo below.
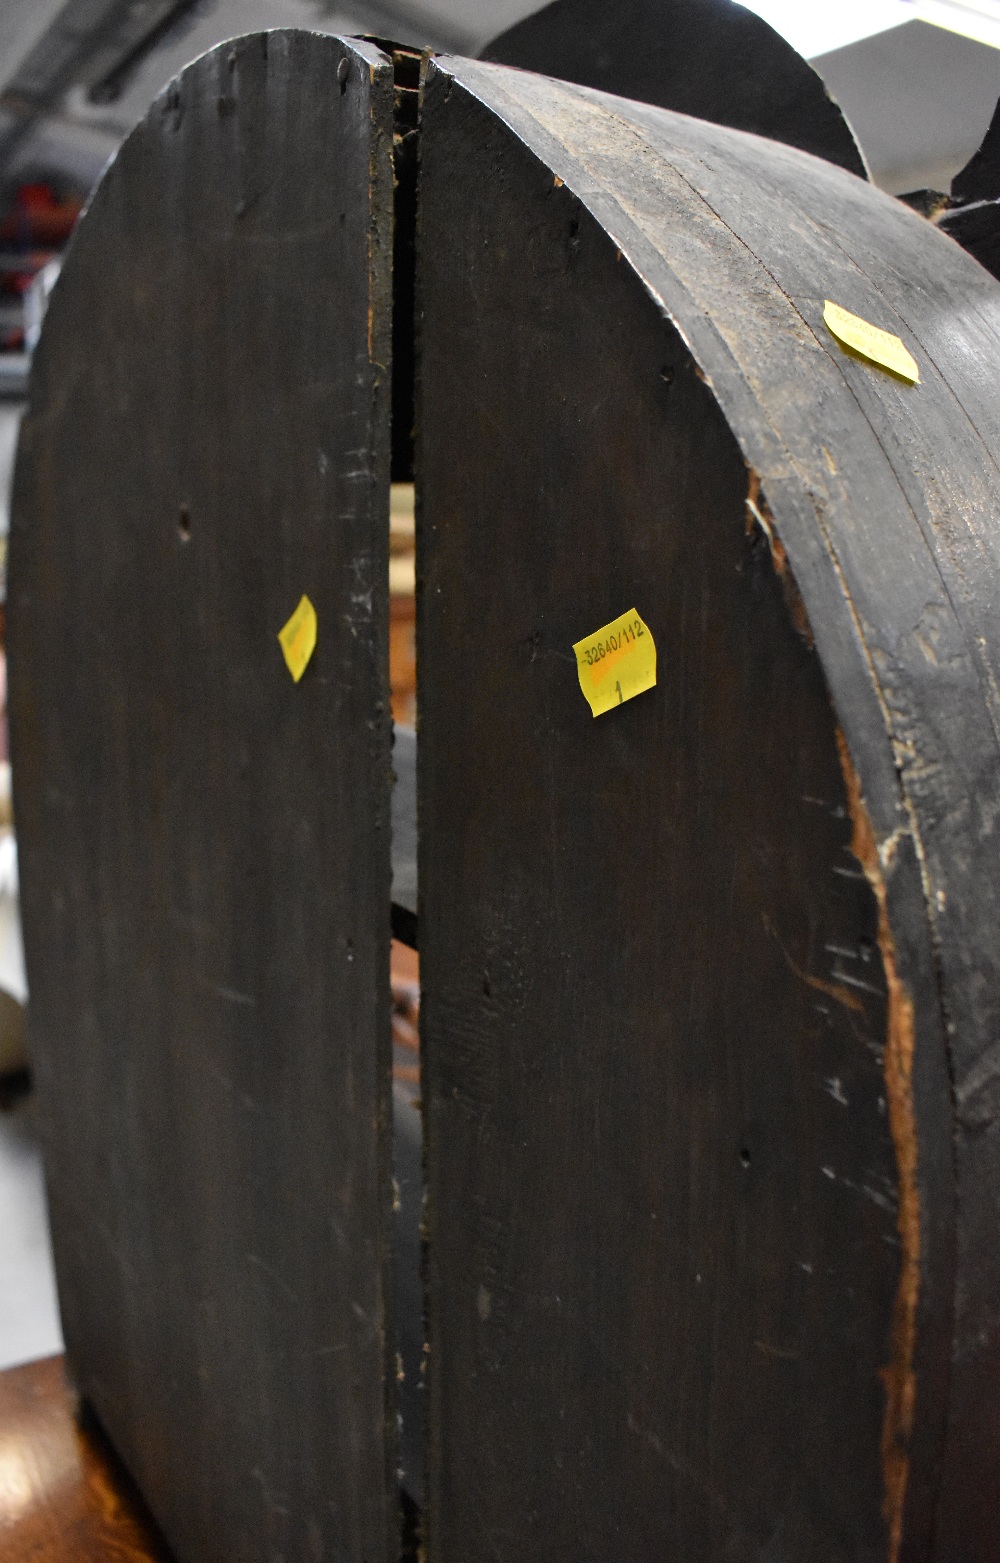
(63, 1494)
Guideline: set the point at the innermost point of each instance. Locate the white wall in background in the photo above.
(29, 1312)
(919, 100)
(22, 23)
(10, 423)
(979, 19)
(822, 25)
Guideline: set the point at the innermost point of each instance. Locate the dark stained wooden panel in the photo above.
(205, 844)
(714, 59)
(714, 1268)
(976, 228)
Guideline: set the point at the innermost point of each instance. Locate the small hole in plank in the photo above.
(745, 1156)
(184, 524)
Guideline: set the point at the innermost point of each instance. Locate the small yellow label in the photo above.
(617, 662)
(298, 638)
(880, 347)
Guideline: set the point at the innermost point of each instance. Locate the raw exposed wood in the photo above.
(898, 1376)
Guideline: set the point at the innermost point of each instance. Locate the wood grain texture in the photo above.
(709, 1073)
(710, 58)
(204, 843)
(64, 1498)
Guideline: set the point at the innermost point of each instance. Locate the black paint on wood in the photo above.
(709, 1040)
(979, 180)
(204, 843)
(711, 58)
(406, 73)
(976, 228)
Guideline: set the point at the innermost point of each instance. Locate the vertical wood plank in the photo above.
(205, 843)
(710, 1271)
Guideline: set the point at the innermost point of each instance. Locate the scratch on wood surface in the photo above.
(228, 995)
(265, 1269)
(685, 1468)
(977, 1093)
(833, 990)
(898, 1377)
(782, 1354)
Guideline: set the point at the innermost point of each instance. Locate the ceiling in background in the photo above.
(919, 100)
(815, 29)
(823, 25)
(75, 75)
(22, 24)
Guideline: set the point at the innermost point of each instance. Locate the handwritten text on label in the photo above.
(879, 347)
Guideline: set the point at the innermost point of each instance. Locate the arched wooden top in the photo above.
(710, 58)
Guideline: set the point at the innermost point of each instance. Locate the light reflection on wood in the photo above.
(63, 1496)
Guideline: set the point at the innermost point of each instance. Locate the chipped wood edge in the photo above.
(898, 1377)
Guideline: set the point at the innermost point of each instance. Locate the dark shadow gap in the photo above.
(407, 1126)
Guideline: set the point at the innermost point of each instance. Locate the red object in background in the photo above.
(17, 281)
(38, 217)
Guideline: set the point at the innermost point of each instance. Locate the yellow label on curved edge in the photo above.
(616, 662)
(880, 347)
(298, 638)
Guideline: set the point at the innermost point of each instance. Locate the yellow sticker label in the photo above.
(616, 662)
(880, 347)
(298, 638)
